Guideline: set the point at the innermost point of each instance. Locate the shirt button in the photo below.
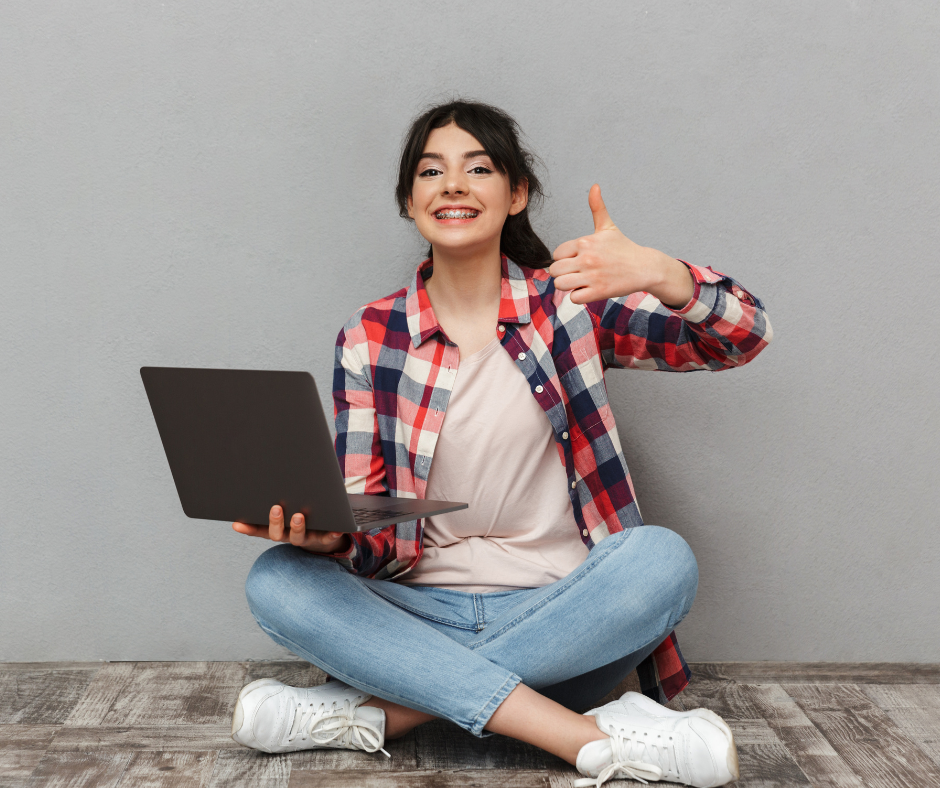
(584, 531)
(500, 328)
(521, 356)
(564, 436)
(539, 389)
(573, 485)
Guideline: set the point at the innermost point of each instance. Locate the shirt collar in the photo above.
(513, 300)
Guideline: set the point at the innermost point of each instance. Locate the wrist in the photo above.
(675, 283)
(342, 545)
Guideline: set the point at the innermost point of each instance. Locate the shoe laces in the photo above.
(635, 756)
(337, 726)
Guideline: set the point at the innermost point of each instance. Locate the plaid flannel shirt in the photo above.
(395, 369)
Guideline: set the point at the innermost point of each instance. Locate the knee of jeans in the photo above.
(680, 569)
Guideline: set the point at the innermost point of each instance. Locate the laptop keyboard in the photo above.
(371, 515)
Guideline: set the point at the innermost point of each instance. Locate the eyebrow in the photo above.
(468, 155)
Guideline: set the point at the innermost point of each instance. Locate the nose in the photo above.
(455, 182)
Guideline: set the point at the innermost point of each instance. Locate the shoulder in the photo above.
(371, 322)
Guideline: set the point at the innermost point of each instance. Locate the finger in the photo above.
(251, 530)
(602, 220)
(571, 281)
(276, 523)
(298, 529)
(561, 267)
(566, 250)
(583, 295)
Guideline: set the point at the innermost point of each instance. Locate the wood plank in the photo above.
(169, 770)
(295, 673)
(563, 778)
(474, 778)
(30, 667)
(764, 761)
(244, 768)
(79, 770)
(865, 736)
(752, 732)
(177, 738)
(443, 745)
(768, 765)
(809, 748)
(160, 693)
(26, 737)
(101, 694)
(915, 710)
(17, 765)
(818, 672)
(726, 698)
(41, 695)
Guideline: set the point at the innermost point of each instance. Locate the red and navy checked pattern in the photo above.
(395, 369)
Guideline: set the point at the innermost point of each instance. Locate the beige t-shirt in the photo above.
(496, 451)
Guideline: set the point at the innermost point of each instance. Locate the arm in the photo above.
(358, 445)
(712, 323)
(722, 326)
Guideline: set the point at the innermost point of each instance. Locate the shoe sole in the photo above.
(733, 765)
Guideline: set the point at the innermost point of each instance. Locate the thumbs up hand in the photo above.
(607, 264)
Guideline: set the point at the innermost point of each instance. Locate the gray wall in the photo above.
(209, 184)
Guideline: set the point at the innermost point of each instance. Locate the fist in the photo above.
(607, 264)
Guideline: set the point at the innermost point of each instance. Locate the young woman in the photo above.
(516, 614)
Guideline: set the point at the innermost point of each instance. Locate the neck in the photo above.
(465, 285)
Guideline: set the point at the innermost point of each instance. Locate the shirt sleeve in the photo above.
(722, 326)
(359, 447)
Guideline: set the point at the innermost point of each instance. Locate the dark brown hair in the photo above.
(498, 134)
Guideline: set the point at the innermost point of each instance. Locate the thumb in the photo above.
(602, 220)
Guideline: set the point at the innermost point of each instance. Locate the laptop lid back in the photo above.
(240, 441)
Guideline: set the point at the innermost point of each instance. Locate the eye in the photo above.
(481, 170)
(429, 172)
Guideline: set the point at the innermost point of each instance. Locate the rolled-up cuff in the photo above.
(347, 557)
(487, 711)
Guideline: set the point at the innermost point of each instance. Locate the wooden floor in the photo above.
(149, 724)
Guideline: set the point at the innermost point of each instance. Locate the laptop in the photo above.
(239, 441)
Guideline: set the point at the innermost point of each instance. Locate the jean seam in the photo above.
(421, 613)
(479, 722)
(545, 600)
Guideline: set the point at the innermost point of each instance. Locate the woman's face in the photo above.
(459, 200)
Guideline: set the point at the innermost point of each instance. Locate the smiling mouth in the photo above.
(462, 214)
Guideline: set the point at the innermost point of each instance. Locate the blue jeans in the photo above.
(457, 655)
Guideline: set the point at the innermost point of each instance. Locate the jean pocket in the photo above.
(424, 605)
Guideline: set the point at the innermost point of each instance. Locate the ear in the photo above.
(411, 205)
(520, 198)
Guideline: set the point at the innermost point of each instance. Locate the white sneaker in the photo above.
(273, 717)
(644, 705)
(648, 742)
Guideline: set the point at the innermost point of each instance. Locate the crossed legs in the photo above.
(421, 659)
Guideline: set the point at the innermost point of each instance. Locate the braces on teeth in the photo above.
(456, 214)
